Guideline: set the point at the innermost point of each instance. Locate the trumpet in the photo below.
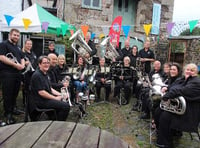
(65, 95)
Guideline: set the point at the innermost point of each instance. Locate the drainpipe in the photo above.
(63, 18)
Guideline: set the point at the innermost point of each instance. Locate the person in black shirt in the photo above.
(31, 65)
(12, 62)
(43, 95)
(124, 77)
(126, 51)
(103, 79)
(147, 56)
(51, 49)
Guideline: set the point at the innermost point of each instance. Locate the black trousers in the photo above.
(107, 87)
(165, 132)
(127, 89)
(10, 88)
(62, 108)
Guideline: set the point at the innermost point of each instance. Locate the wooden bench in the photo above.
(58, 134)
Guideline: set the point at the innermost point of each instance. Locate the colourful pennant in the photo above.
(126, 30)
(72, 32)
(170, 27)
(147, 28)
(64, 29)
(58, 30)
(105, 30)
(84, 29)
(45, 26)
(101, 36)
(8, 18)
(92, 36)
(192, 24)
(27, 23)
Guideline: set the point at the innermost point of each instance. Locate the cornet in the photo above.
(29, 67)
(65, 95)
(12, 57)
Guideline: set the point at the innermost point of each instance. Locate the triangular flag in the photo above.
(84, 29)
(72, 32)
(101, 35)
(26, 22)
(64, 29)
(169, 27)
(8, 19)
(116, 29)
(58, 30)
(92, 36)
(45, 26)
(105, 30)
(126, 30)
(192, 24)
(147, 28)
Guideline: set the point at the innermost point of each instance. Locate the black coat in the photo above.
(190, 90)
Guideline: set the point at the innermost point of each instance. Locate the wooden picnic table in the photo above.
(57, 134)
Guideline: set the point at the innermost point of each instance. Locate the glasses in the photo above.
(45, 63)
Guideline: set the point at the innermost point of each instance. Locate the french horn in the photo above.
(80, 46)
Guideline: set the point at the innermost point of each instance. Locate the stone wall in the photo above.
(192, 51)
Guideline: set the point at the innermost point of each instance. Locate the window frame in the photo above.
(91, 7)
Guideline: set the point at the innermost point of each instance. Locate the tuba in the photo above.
(109, 50)
(176, 105)
(83, 48)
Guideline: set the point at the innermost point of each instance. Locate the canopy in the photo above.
(36, 19)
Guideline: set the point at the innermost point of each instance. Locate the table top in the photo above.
(58, 134)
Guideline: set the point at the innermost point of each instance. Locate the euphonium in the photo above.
(83, 47)
(176, 105)
(12, 57)
(110, 51)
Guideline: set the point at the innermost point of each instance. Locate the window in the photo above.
(92, 4)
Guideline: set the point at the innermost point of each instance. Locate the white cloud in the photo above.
(186, 10)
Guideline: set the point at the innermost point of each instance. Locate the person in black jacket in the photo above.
(51, 49)
(189, 87)
(126, 51)
(53, 75)
(124, 78)
(103, 79)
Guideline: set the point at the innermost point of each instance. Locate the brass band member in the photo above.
(11, 72)
(53, 75)
(174, 74)
(147, 56)
(30, 59)
(126, 51)
(102, 79)
(146, 101)
(43, 95)
(80, 82)
(189, 87)
(124, 79)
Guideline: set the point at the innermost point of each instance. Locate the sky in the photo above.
(186, 10)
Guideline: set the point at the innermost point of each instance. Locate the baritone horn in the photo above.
(80, 46)
(108, 49)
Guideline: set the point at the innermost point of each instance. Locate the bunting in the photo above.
(126, 30)
(45, 26)
(8, 18)
(84, 29)
(169, 27)
(147, 28)
(26, 22)
(192, 24)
